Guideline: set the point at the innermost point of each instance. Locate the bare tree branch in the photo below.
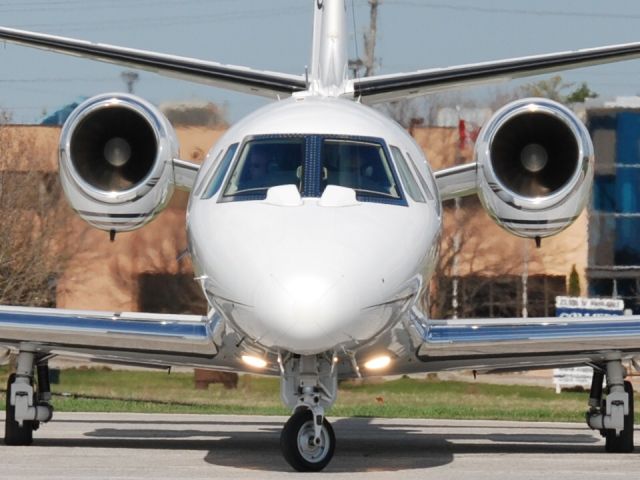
(34, 236)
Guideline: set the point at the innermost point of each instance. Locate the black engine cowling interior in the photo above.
(113, 149)
(534, 154)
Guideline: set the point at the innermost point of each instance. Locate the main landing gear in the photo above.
(613, 416)
(309, 385)
(26, 407)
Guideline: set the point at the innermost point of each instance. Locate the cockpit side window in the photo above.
(407, 176)
(220, 172)
(360, 165)
(266, 163)
(421, 179)
(204, 176)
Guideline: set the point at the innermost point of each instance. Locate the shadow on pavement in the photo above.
(362, 444)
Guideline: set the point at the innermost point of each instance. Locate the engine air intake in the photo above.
(116, 154)
(113, 148)
(534, 154)
(535, 167)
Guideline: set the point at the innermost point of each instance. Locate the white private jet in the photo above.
(314, 226)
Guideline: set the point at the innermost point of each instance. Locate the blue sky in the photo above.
(276, 35)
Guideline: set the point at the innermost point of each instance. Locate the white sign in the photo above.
(582, 307)
(572, 377)
(584, 303)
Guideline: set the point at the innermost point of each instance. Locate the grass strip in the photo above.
(104, 390)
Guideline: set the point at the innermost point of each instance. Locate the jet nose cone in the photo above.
(305, 294)
(304, 314)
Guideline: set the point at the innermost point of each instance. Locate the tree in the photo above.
(554, 88)
(581, 94)
(33, 237)
(574, 282)
(487, 274)
(550, 88)
(488, 265)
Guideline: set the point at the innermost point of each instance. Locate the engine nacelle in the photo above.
(116, 153)
(535, 167)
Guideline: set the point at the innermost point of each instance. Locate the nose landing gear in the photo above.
(308, 386)
(301, 448)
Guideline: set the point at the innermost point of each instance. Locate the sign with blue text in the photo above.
(582, 307)
(588, 307)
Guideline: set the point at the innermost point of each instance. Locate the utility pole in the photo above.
(370, 39)
(457, 236)
(368, 62)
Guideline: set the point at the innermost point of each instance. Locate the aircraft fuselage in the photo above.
(325, 269)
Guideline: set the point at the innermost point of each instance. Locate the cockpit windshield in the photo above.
(266, 163)
(362, 166)
(311, 162)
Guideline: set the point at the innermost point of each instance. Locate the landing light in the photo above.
(255, 362)
(377, 363)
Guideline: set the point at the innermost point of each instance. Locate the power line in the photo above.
(56, 80)
(517, 11)
(146, 21)
(64, 5)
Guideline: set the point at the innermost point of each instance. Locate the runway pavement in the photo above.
(137, 446)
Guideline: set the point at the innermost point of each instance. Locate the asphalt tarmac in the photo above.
(138, 446)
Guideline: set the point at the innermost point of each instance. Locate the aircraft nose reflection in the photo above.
(303, 313)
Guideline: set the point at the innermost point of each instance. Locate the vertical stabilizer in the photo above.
(329, 52)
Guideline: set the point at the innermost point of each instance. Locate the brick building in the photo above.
(140, 271)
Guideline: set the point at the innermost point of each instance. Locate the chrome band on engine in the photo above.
(116, 153)
(535, 167)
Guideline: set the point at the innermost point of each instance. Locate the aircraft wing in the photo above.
(457, 181)
(385, 88)
(184, 173)
(146, 339)
(263, 83)
(522, 343)
(164, 340)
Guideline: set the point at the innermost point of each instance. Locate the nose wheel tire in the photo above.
(622, 443)
(298, 445)
(14, 434)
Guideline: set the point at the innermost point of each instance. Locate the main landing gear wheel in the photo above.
(624, 442)
(14, 434)
(298, 446)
